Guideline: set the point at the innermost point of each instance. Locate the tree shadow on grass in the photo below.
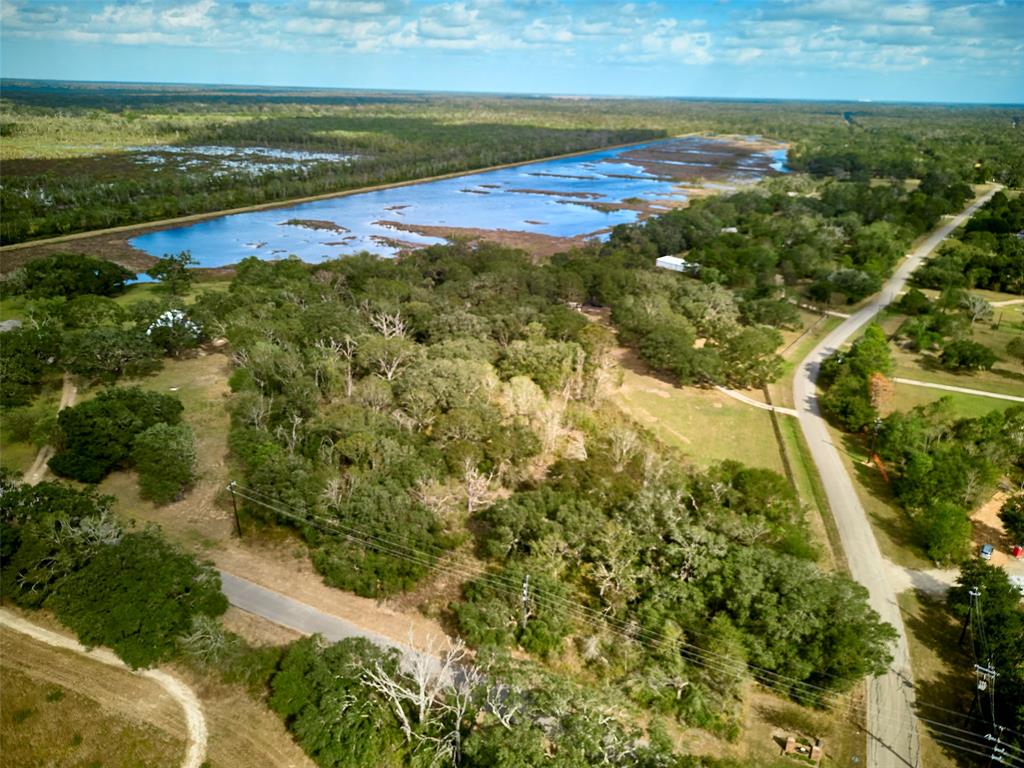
(1005, 373)
(969, 378)
(897, 526)
(630, 359)
(943, 691)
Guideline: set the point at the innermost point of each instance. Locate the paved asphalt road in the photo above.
(301, 617)
(892, 726)
(288, 612)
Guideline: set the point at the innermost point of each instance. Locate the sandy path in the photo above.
(195, 754)
(35, 473)
(756, 403)
(961, 390)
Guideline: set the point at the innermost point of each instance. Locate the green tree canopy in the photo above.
(96, 436)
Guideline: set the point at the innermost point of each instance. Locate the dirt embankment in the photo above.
(194, 720)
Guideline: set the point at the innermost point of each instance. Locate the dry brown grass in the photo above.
(203, 518)
(60, 708)
(243, 732)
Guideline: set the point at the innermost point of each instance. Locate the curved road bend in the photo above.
(892, 726)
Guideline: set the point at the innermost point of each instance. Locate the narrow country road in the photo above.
(37, 471)
(195, 753)
(291, 613)
(892, 726)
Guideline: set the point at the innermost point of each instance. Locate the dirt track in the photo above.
(39, 467)
(195, 721)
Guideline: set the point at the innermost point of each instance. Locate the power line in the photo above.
(582, 612)
(694, 654)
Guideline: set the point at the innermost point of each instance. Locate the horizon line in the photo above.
(521, 94)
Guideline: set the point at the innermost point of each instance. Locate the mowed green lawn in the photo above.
(906, 396)
(705, 425)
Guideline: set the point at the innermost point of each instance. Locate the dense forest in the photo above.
(445, 415)
(58, 182)
(449, 411)
(987, 254)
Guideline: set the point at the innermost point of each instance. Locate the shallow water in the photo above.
(220, 160)
(547, 197)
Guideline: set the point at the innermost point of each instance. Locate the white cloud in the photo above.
(541, 32)
(187, 16)
(798, 35)
(747, 54)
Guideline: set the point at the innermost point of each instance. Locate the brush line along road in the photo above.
(892, 727)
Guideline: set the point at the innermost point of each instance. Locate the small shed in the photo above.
(676, 264)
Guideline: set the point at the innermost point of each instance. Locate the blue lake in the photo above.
(550, 197)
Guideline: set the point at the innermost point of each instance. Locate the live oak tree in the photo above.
(62, 549)
(164, 455)
(1012, 515)
(97, 436)
(69, 275)
(137, 597)
(172, 270)
(106, 353)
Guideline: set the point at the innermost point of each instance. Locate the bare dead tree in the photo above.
(259, 410)
(479, 494)
(574, 383)
(205, 641)
(388, 324)
(290, 436)
(624, 445)
(976, 307)
(430, 696)
(436, 497)
(347, 351)
(337, 490)
(550, 424)
(654, 467)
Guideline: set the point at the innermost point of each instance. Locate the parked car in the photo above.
(986, 551)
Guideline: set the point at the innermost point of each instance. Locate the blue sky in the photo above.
(919, 50)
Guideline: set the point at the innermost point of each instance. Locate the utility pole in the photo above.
(234, 508)
(973, 594)
(526, 599)
(986, 679)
